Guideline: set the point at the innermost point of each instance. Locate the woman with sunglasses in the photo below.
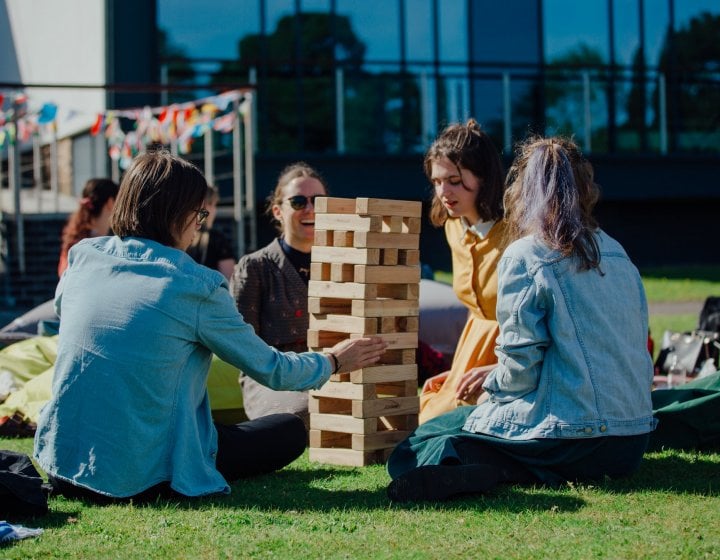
(130, 413)
(270, 286)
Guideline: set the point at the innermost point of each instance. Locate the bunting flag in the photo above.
(181, 123)
(95, 128)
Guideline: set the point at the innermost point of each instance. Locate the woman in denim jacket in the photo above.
(570, 396)
(130, 413)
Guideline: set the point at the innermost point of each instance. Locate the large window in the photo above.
(385, 75)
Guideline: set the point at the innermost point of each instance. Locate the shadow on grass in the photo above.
(681, 474)
(317, 491)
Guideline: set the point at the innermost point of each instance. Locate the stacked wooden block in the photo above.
(364, 280)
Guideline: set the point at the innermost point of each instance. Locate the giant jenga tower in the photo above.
(364, 280)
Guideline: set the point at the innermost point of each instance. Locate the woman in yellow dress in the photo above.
(467, 175)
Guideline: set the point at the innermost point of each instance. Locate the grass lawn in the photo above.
(667, 510)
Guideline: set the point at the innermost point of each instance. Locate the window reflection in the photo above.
(377, 23)
(575, 28)
(453, 25)
(419, 39)
(447, 60)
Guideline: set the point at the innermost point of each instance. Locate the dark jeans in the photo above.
(251, 448)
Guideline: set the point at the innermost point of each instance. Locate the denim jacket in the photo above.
(572, 351)
(129, 406)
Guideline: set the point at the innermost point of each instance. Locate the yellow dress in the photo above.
(475, 284)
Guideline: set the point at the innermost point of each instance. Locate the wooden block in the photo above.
(335, 205)
(342, 239)
(386, 274)
(407, 388)
(343, 324)
(364, 391)
(331, 305)
(408, 257)
(381, 440)
(385, 307)
(409, 324)
(389, 257)
(411, 225)
(324, 238)
(402, 356)
(352, 391)
(385, 207)
(347, 457)
(343, 423)
(348, 222)
(396, 291)
(387, 325)
(345, 255)
(321, 438)
(324, 339)
(400, 422)
(340, 407)
(345, 290)
(392, 224)
(340, 272)
(392, 372)
(320, 271)
(385, 407)
(394, 340)
(374, 239)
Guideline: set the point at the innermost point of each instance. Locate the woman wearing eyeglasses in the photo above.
(270, 286)
(130, 413)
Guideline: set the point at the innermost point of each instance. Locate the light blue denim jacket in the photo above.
(130, 407)
(572, 351)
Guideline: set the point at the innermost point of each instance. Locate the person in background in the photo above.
(270, 286)
(129, 416)
(569, 399)
(91, 219)
(210, 247)
(467, 176)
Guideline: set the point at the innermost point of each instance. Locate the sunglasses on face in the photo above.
(202, 216)
(300, 201)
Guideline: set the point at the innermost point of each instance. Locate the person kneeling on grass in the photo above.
(570, 396)
(129, 415)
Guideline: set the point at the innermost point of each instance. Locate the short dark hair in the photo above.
(469, 147)
(157, 193)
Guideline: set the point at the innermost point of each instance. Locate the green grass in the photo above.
(668, 284)
(668, 510)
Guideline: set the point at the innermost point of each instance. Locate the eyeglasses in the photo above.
(300, 201)
(202, 215)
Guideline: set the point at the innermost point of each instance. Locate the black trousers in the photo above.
(251, 448)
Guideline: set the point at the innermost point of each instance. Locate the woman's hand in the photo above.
(470, 387)
(356, 353)
(434, 383)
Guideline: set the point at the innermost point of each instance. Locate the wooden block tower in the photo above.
(364, 280)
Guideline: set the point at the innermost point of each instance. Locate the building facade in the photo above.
(359, 89)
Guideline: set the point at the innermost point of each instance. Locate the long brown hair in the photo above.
(469, 147)
(551, 194)
(95, 195)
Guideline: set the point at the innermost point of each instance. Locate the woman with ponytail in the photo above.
(91, 219)
(569, 399)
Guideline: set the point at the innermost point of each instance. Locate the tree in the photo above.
(690, 60)
(296, 88)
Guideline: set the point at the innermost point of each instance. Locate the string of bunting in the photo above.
(179, 123)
